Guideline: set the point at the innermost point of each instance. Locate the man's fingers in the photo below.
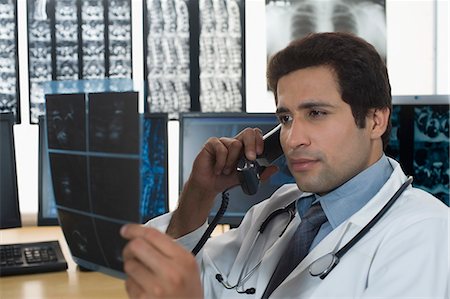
(234, 148)
(252, 141)
(138, 280)
(226, 151)
(157, 240)
(148, 267)
(133, 289)
(156, 264)
(218, 150)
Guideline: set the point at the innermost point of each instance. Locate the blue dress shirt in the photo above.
(348, 198)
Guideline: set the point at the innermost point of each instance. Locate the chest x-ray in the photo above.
(287, 20)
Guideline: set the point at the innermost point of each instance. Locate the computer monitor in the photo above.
(47, 213)
(420, 141)
(109, 167)
(9, 199)
(196, 128)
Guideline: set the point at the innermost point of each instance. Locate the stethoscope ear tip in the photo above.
(250, 291)
(219, 277)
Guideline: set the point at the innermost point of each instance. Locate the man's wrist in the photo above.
(192, 212)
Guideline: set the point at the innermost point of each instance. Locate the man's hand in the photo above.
(157, 266)
(213, 171)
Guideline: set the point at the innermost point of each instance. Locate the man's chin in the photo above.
(311, 186)
(307, 187)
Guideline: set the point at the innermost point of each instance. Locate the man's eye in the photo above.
(317, 113)
(283, 119)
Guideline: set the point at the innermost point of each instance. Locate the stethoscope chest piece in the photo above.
(323, 265)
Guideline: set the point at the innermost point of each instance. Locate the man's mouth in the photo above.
(302, 164)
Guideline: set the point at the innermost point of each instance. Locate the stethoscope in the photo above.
(323, 265)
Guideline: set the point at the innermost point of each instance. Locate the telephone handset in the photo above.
(249, 171)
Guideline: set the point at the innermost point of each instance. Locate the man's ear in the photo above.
(379, 119)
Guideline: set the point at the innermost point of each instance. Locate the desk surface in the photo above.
(66, 284)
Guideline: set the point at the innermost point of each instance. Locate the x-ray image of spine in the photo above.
(39, 53)
(93, 42)
(8, 56)
(291, 19)
(220, 56)
(119, 16)
(168, 56)
(90, 39)
(66, 35)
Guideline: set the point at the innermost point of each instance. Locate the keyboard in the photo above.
(29, 258)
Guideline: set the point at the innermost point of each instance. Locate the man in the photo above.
(333, 101)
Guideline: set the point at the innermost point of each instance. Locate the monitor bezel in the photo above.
(420, 99)
(10, 194)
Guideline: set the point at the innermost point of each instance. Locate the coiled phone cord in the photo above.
(213, 224)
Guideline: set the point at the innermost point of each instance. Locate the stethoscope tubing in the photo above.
(334, 258)
(374, 220)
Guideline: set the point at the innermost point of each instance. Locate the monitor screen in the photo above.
(196, 128)
(108, 167)
(420, 141)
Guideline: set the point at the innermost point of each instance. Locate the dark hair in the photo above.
(360, 71)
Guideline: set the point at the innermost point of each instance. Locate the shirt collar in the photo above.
(348, 198)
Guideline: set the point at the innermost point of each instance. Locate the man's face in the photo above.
(322, 143)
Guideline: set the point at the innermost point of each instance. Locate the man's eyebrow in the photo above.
(281, 110)
(306, 105)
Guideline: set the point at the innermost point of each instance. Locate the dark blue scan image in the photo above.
(80, 234)
(110, 242)
(420, 142)
(114, 186)
(70, 180)
(431, 150)
(66, 121)
(118, 176)
(154, 167)
(114, 122)
(393, 147)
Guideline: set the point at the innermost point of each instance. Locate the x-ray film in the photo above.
(108, 167)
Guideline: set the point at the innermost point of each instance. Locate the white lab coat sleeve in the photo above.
(214, 248)
(188, 241)
(399, 269)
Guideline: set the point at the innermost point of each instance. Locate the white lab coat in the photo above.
(406, 255)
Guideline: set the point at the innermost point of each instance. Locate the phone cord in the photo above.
(213, 224)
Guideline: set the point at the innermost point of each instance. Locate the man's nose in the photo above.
(297, 135)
